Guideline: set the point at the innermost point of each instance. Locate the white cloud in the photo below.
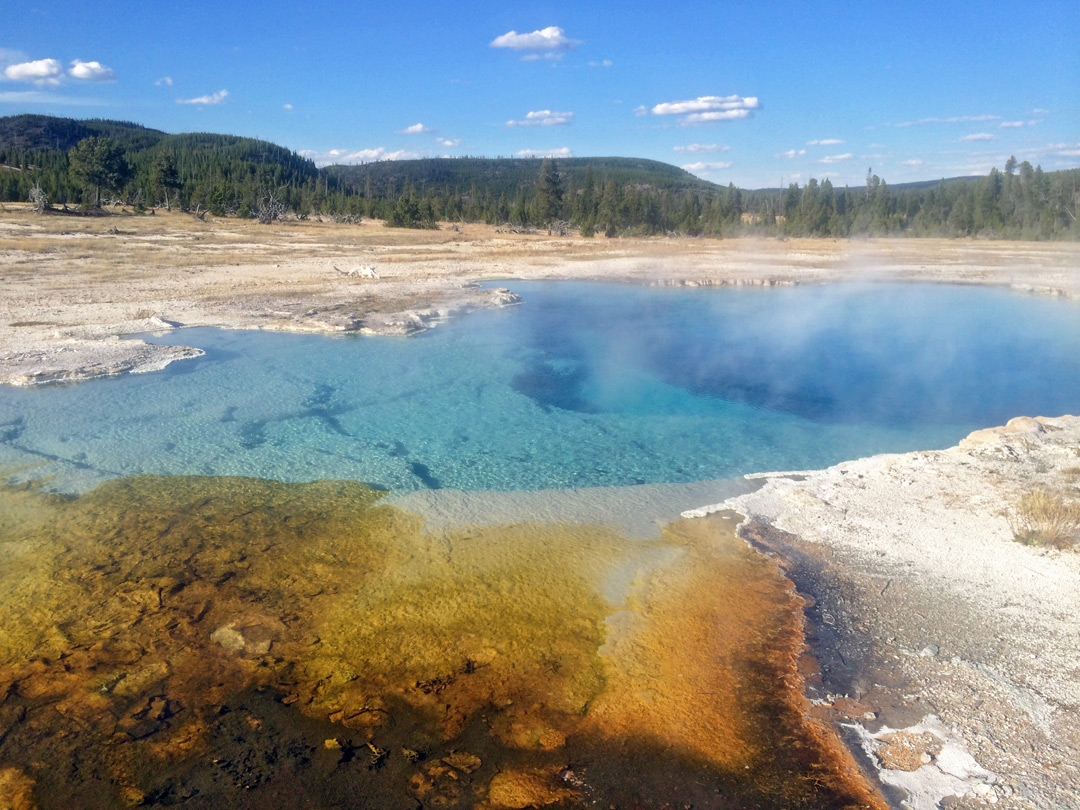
(1011, 124)
(956, 119)
(343, 157)
(213, 98)
(415, 129)
(43, 72)
(563, 151)
(707, 166)
(978, 136)
(837, 158)
(1040, 111)
(792, 153)
(164, 81)
(551, 38)
(707, 109)
(536, 57)
(91, 71)
(602, 63)
(695, 148)
(449, 141)
(1067, 150)
(825, 142)
(543, 118)
(707, 104)
(912, 162)
(641, 111)
(286, 106)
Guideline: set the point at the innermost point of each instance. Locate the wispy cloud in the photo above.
(42, 72)
(415, 129)
(792, 153)
(1040, 111)
(1066, 150)
(10, 56)
(164, 81)
(911, 162)
(978, 136)
(708, 109)
(448, 141)
(287, 107)
(551, 38)
(708, 166)
(91, 71)
(695, 148)
(543, 118)
(601, 63)
(956, 119)
(825, 142)
(563, 151)
(343, 157)
(837, 158)
(50, 97)
(213, 98)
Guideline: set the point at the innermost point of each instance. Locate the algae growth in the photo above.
(230, 642)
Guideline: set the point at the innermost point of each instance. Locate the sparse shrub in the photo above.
(1041, 518)
(270, 209)
(39, 199)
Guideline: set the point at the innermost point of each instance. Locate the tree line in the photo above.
(233, 176)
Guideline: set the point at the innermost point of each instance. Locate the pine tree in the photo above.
(163, 177)
(99, 162)
(547, 200)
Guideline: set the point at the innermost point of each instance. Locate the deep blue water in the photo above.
(582, 385)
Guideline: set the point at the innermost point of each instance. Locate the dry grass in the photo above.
(1041, 518)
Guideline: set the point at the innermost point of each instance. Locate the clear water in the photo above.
(583, 385)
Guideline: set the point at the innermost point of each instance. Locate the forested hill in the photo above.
(62, 161)
(508, 175)
(224, 173)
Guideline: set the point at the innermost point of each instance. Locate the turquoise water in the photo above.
(582, 385)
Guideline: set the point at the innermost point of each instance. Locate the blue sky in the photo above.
(745, 92)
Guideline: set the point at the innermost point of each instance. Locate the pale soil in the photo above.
(69, 287)
(927, 616)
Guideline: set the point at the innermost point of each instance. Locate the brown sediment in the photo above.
(209, 642)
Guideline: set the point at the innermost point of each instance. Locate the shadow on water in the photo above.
(210, 642)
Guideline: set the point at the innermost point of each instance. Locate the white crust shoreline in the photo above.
(928, 617)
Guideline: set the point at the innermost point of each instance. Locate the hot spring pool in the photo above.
(583, 385)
